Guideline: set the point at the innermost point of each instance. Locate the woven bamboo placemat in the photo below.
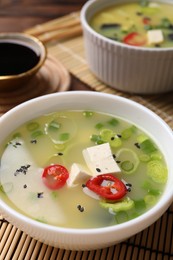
(155, 242)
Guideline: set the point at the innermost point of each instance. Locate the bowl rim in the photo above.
(86, 26)
(160, 207)
(19, 36)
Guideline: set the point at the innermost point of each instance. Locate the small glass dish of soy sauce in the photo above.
(21, 56)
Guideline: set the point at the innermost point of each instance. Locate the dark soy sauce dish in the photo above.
(21, 56)
(16, 58)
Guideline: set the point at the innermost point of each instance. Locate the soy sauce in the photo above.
(16, 58)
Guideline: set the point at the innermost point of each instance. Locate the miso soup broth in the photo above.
(140, 23)
(68, 200)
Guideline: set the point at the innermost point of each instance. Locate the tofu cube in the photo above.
(77, 173)
(155, 36)
(99, 159)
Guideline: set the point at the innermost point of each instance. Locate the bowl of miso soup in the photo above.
(129, 44)
(80, 175)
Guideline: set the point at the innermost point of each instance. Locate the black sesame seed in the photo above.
(60, 154)
(114, 156)
(129, 184)
(137, 145)
(40, 195)
(119, 135)
(25, 186)
(80, 208)
(23, 169)
(112, 138)
(83, 185)
(34, 141)
(139, 13)
(118, 161)
(98, 170)
(17, 143)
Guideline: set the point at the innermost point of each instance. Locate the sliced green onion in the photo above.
(106, 134)
(121, 217)
(124, 155)
(157, 171)
(154, 192)
(113, 122)
(99, 126)
(144, 157)
(64, 137)
(127, 133)
(156, 155)
(141, 138)
(88, 113)
(150, 189)
(54, 125)
(150, 199)
(165, 23)
(96, 139)
(127, 166)
(115, 141)
(123, 205)
(36, 134)
(140, 205)
(148, 147)
(149, 10)
(32, 126)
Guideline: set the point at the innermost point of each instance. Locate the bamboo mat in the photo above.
(155, 242)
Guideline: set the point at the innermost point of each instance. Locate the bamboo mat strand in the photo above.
(153, 243)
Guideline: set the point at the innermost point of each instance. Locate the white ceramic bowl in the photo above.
(87, 239)
(131, 69)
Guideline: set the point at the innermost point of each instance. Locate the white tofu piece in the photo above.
(77, 173)
(99, 159)
(155, 36)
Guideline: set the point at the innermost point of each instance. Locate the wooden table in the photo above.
(17, 16)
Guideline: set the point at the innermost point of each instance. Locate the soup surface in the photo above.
(143, 23)
(81, 169)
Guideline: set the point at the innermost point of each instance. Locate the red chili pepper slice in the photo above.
(134, 39)
(55, 176)
(107, 186)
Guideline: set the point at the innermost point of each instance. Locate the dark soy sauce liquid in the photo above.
(16, 58)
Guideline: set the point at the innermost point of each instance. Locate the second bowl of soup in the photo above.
(129, 44)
